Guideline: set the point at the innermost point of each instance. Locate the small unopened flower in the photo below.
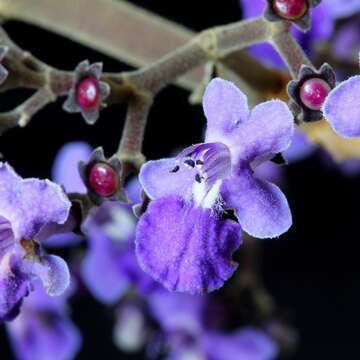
(26, 208)
(3, 71)
(342, 108)
(296, 11)
(309, 91)
(185, 240)
(102, 177)
(88, 92)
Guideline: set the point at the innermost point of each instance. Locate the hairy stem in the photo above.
(219, 44)
(288, 48)
(116, 28)
(129, 151)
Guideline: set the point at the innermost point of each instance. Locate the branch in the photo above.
(111, 27)
(288, 48)
(138, 88)
(23, 113)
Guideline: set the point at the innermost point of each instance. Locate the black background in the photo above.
(312, 271)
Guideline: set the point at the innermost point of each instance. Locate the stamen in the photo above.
(175, 169)
(198, 178)
(190, 162)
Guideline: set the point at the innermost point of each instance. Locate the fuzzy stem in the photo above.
(116, 28)
(129, 152)
(288, 48)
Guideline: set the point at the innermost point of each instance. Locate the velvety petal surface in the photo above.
(10, 213)
(7, 240)
(53, 272)
(14, 286)
(261, 207)
(158, 180)
(225, 107)
(342, 108)
(42, 202)
(268, 131)
(65, 169)
(247, 343)
(185, 248)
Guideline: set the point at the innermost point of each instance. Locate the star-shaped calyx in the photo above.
(309, 91)
(88, 92)
(295, 11)
(102, 177)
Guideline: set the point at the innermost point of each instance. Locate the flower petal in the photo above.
(342, 108)
(8, 178)
(181, 313)
(158, 179)
(65, 169)
(186, 248)
(102, 270)
(43, 335)
(268, 131)
(53, 272)
(14, 286)
(7, 239)
(261, 207)
(301, 147)
(42, 202)
(247, 343)
(225, 107)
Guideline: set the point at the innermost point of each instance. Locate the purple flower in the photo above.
(65, 168)
(183, 318)
(109, 267)
(26, 208)
(184, 239)
(342, 109)
(108, 230)
(247, 343)
(43, 330)
(65, 173)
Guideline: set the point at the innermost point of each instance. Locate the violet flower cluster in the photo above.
(28, 210)
(110, 270)
(156, 268)
(184, 239)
